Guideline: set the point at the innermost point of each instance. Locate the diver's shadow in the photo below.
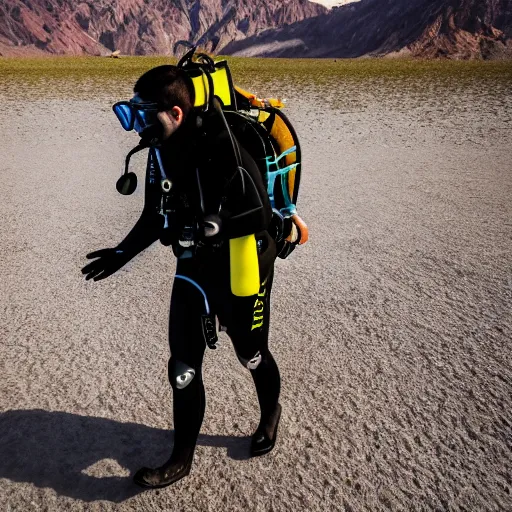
(54, 449)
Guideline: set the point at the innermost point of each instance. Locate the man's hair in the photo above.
(168, 86)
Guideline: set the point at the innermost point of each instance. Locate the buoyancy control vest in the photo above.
(259, 126)
(263, 130)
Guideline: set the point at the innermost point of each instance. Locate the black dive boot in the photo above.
(172, 471)
(188, 410)
(264, 439)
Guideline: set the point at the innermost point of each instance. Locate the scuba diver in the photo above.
(206, 198)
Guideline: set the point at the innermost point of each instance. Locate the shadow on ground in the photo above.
(54, 449)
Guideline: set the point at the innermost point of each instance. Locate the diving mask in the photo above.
(136, 114)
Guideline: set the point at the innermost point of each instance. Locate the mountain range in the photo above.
(138, 27)
(287, 28)
(465, 29)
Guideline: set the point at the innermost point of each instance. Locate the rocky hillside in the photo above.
(468, 29)
(421, 28)
(137, 27)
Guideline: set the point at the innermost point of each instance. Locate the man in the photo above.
(212, 200)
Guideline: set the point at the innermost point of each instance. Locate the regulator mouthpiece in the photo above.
(127, 184)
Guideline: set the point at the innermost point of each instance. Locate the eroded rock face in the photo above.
(289, 28)
(468, 29)
(421, 28)
(137, 27)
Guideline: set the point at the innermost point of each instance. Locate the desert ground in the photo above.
(391, 327)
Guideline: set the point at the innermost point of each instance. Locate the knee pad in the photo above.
(252, 363)
(180, 374)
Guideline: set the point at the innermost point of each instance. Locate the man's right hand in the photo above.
(108, 261)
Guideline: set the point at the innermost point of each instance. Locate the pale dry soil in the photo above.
(391, 327)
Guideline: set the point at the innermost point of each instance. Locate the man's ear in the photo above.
(177, 113)
(171, 120)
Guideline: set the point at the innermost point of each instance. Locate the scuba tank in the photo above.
(244, 266)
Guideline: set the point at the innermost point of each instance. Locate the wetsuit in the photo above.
(202, 284)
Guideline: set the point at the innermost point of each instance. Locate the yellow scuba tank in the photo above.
(244, 267)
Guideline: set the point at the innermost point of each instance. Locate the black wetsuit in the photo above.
(207, 285)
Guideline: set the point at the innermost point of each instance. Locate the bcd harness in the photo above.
(260, 127)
